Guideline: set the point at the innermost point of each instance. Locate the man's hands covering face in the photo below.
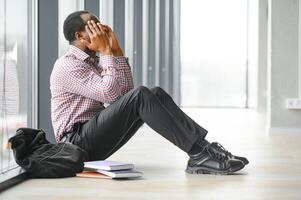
(114, 44)
(99, 40)
(102, 39)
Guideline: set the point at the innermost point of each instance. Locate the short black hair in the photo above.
(72, 24)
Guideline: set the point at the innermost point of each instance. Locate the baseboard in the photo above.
(11, 178)
(284, 131)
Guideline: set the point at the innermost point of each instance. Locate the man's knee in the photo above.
(141, 89)
(158, 91)
(142, 92)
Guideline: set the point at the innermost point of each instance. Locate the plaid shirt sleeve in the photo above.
(113, 82)
(124, 74)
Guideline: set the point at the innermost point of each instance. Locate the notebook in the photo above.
(102, 174)
(92, 174)
(121, 173)
(107, 165)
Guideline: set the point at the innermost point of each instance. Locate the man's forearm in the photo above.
(124, 74)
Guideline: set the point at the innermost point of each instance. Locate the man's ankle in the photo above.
(198, 147)
(202, 143)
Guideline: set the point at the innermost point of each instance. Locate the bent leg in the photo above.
(172, 107)
(114, 126)
(155, 114)
(109, 130)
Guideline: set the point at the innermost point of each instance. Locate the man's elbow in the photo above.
(110, 94)
(111, 100)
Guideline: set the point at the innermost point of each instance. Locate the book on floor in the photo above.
(121, 173)
(103, 174)
(92, 174)
(107, 165)
(107, 169)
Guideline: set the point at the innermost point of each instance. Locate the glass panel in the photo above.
(214, 49)
(66, 7)
(14, 71)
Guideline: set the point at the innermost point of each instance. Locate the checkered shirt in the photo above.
(80, 85)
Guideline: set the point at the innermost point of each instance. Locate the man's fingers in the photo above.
(106, 28)
(102, 30)
(95, 27)
(89, 31)
(91, 27)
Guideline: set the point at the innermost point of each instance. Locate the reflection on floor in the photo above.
(274, 171)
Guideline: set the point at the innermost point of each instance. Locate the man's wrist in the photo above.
(106, 51)
(117, 52)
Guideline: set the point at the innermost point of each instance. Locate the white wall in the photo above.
(283, 66)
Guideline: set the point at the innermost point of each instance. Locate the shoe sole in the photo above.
(205, 170)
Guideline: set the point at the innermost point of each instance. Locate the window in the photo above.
(16, 76)
(66, 7)
(219, 53)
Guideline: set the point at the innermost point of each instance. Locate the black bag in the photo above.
(41, 159)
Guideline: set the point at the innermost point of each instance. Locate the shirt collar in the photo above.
(78, 53)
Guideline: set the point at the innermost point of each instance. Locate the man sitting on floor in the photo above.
(81, 82)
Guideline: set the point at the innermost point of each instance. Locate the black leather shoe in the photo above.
(213, 159)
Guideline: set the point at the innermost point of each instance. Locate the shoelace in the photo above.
(223, 149)
(220, 148)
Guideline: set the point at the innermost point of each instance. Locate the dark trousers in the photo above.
(109, 130)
